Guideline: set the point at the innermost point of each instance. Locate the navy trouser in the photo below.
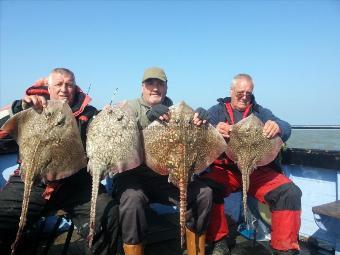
(72, 196)
(135, 189)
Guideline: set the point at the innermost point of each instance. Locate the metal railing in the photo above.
(315, 126)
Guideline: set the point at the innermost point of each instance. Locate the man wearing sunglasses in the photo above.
(267, 183)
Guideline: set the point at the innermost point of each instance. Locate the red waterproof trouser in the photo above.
(285, 223)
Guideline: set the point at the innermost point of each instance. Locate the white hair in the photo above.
(62, 71)
(240, 77)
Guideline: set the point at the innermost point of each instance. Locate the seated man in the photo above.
(267, 183)
(71, 194)
(136, 188)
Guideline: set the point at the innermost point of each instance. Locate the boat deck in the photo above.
(169, 247)
(163, 238)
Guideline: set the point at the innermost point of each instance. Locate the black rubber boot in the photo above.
(219, 248)
(289, 252)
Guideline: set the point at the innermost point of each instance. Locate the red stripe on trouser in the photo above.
(285, 229)
(262, 181)
(218, 227)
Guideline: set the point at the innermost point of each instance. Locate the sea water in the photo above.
(322, 139)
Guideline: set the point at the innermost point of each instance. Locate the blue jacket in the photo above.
(219, 113)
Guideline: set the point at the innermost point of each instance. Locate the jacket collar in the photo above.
(167, 102)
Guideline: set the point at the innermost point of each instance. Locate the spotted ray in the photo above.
(249, 148)
(113, 146)
(180, 149)
(50, 148)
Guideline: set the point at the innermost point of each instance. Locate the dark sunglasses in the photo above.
(241, 94)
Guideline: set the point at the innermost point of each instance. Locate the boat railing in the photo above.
(326, 127)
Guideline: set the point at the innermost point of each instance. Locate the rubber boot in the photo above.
(220, 248)
(195, 243)
(133, 249)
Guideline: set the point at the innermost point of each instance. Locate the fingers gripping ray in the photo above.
(113, 146)
(249, 148)
(50, 148)
(180, 149)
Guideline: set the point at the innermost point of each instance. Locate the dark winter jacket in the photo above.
(219, 113)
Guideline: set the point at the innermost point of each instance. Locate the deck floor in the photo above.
(163, 239)
(169, 247)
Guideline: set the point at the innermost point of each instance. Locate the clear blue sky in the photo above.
(291, 48)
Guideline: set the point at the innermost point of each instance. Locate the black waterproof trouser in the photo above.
(135, 189)
(74, 197)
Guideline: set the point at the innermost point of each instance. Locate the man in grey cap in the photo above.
(136, 188)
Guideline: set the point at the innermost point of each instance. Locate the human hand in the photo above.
(159, 111)
(224, 129)
(34, 101)
(271, 129)
(201, 116)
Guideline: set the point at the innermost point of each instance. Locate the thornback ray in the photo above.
(249, 148)
(179, 149)
(113, 146)
(50, 148)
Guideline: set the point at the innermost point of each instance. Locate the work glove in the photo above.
(203, 114)
(156, 111)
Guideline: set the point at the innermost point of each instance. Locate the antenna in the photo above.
(88, 89)
(115, 91)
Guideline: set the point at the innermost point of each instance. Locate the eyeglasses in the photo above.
(241, 94)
